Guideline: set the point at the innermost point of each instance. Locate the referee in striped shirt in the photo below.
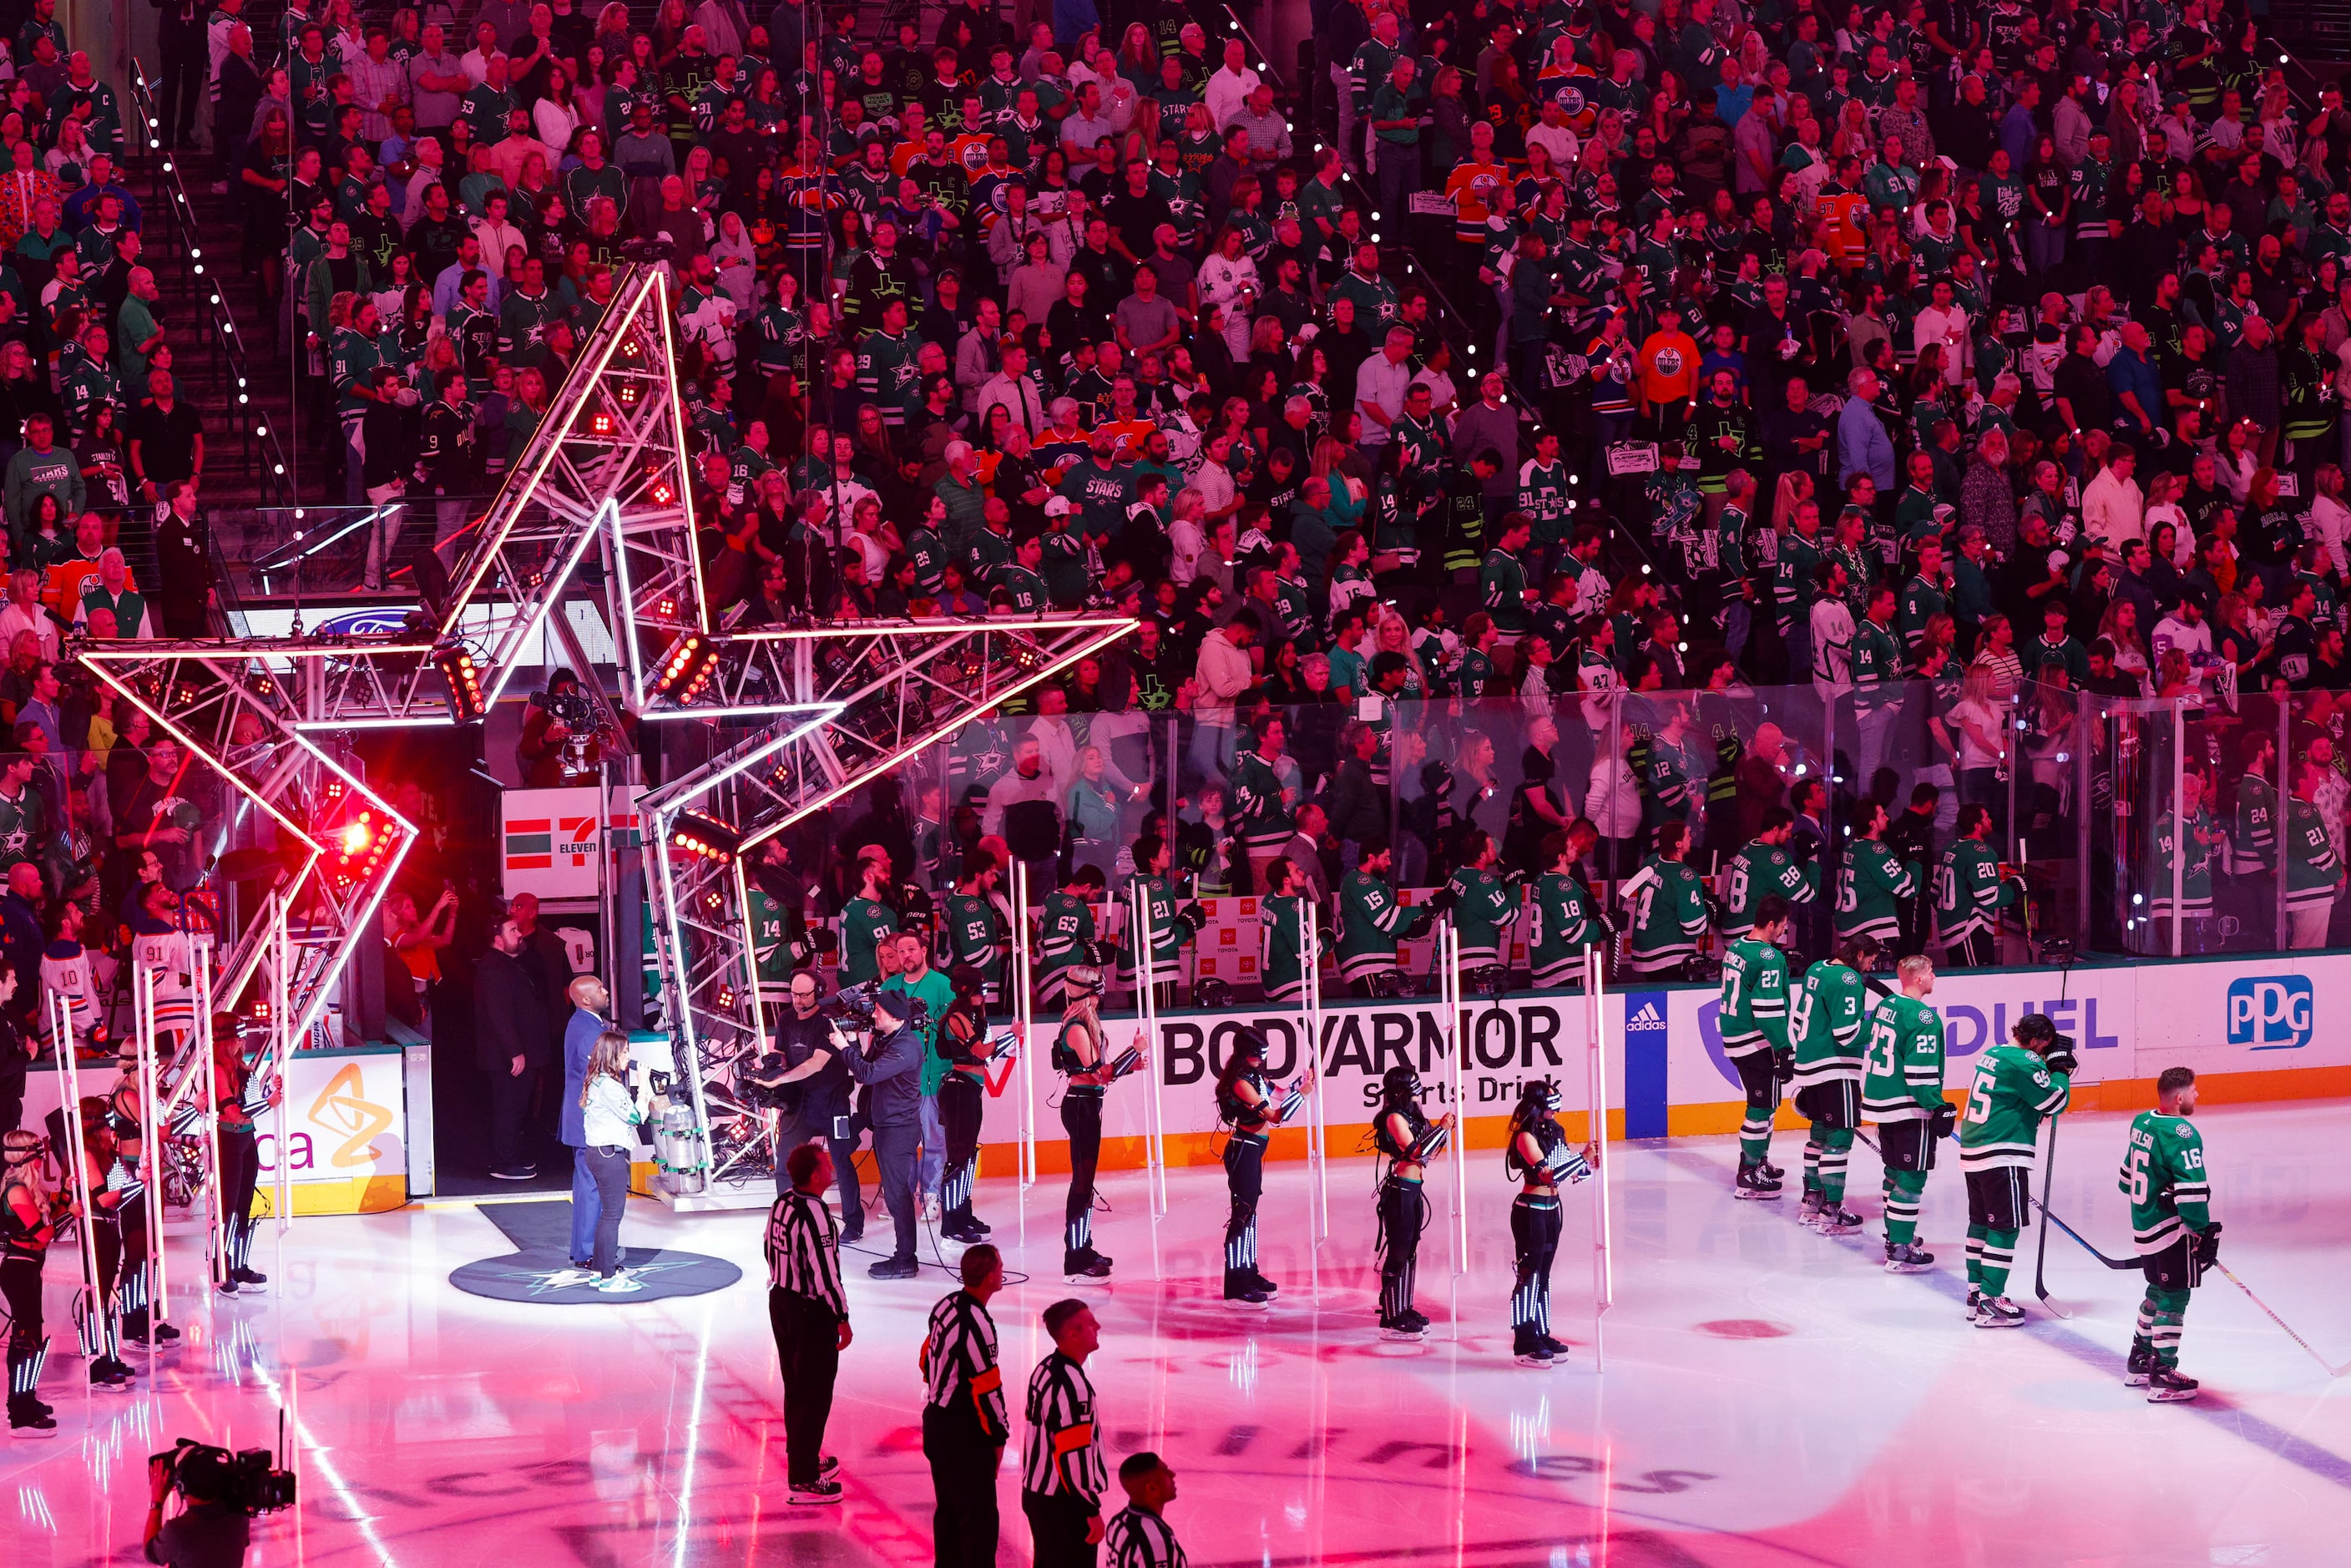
(964, 1421)
(810, 1319)
(1138, 1536)
(1061, 1475)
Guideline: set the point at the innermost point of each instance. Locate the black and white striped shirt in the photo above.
(960, 1360)
(1061, 1456)
(803, 1250)
(1137, 1538)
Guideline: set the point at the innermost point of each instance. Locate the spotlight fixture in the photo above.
(464, 681)
(704, 836)
(688, 668)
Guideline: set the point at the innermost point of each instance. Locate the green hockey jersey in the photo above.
(1371, 924)
(1282, 927)
(2311, 868)
(1902, 1078)
(1754, 874)
(1969, 893)
(1668, 903)
(1066, 926)
(2013, 1089)
(864, 922)
(1825, 1019)
(1868, 889)
(1561, 926)
(1754, 998)
(2194, 870)
(2252, 847)
(975, 931)
(2163, 1176)
(24, 829)
(1484, 908)
(1160, 896)
(771, 951)
(1253, 795)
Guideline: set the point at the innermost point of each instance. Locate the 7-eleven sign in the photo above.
(553, 839)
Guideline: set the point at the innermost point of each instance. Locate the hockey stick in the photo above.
(2331, 1371)
(2130, 1263)
(2049, 1166)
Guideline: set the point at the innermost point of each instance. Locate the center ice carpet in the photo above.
(539, 1269)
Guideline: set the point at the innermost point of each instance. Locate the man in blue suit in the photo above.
(588, 1000)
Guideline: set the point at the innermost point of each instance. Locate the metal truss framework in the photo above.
(864, 700)
(610, 466)
(606, 472)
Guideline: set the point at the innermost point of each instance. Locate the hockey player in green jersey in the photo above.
(865, 921)
(1370, 922)
(1902, 1092)
(1066, 932)
(1754, 1022)
(975, 931)
(1873, 882)
(2312, 876)
(2015, 1086)
(2171, 1221)
(2252, 838)
(1668, 905)
(1281, 923)
(1565, 919)
(2191, 828)
(1483, 906)
(1762, 870)
(1970, 892)
(1257, 809)
(1828, 1017)
(1169, 923)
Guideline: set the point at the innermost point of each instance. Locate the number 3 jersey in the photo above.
(2163, 1176)
(1826, 1018)
(2013, 1089)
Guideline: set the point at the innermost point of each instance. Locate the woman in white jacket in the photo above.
(1613, 802)
(2330, 520)
(1229, 279)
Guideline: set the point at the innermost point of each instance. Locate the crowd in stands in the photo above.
(1936, 357)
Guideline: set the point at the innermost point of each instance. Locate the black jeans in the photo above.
(808, 1352)
(963, 1483)
(894, 1158)
(510, 1097)
(1058, 1526)
(609, 1166)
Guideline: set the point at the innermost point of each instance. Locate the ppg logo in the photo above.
(2270, 1013)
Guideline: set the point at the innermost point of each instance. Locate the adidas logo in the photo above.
(1647, 1018)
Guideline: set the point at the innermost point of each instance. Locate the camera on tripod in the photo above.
(251, 1480)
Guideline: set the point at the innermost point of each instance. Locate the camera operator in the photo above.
(891, 1068)
(210, 1532)
(809, 1057)
(558, 741)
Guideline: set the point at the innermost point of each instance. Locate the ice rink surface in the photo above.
(1769, 1396)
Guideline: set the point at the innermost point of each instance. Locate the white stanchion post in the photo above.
(202, 979)
(281, 1181)
(1310, 999)
(146, 1045)
(74, 1159)
(1146, 1030)
(1024, 1014)
(1595, 1067)
(1449, 961)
